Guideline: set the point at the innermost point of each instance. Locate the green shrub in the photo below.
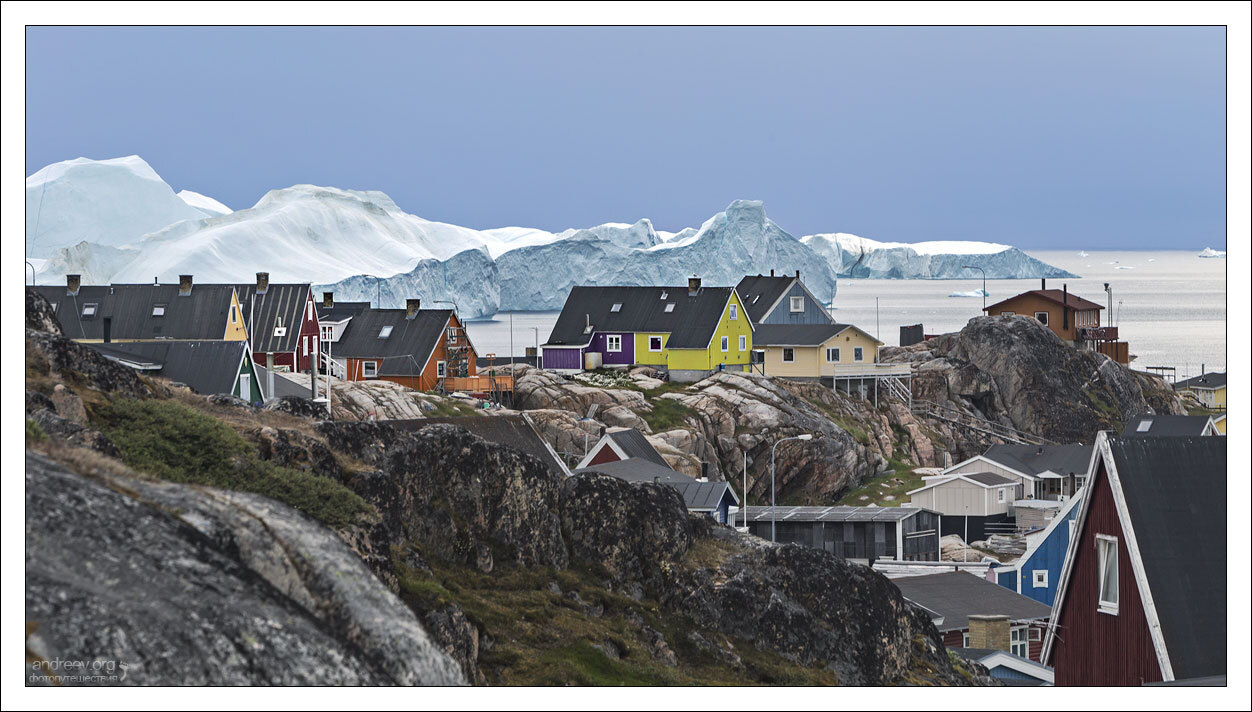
(667, 414)
(180, 444)
(34, 432)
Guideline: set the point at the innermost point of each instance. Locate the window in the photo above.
(1042, 317)
(441, 368)
(654, 344)
(614, 342)
(234, 312)
(280, 331)
(858, 353)
(1040, 578)
(734, 311)
(789, 355)
(616, 307)
(369, 369)
(797, 304)
(89, 309)
(1106, 547)
(1000, 494)
(158, 310)
(743, 343)
(385, 331)
(725, 343)
(964, 640)
(1036, 634)
(664, 295)
(328, 333)
(305, 343)
(832, 355)
(1144, 426)
(669, 308)
(1007, 313)
(1019, 641)
(309, 311)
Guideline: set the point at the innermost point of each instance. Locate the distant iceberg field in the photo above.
(118, 221)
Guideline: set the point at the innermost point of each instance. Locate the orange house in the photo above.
(415, 347)
(1074, 319)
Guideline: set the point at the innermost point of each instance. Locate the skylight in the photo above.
(1144, 426)
(669, 308)
(89, 309)
(158, 310)
(385, 331)
(616, 307)
(664, 296)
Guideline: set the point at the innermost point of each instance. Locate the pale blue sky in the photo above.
(1039, 137)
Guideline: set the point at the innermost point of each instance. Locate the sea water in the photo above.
(1169, 305)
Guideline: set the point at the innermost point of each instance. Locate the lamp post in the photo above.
(984, 284)
(773, 513)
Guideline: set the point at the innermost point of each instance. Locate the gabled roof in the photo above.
(200, 315)
(1037, 459)
(958, 595)
(1034, 541)
(760, 292)
(698, 496)
(208, 367)
(339, 310)
(986, 480)
(800, 334)
(990, 659)
(1142, 426)
(1208, 381)
(1052, 295)
(406, 348)
(1170, 495)
(282, 304)
(626, 443)
(690, 324)
(513, 430)
(947, 472)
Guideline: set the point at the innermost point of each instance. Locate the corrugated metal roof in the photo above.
(1146, 426)
(690, 323)
(1034, 459)
(1176, 495)
(840, 513)
(282, 305)
(1208, 380)
(407, 346)
(697, 496)
(339, 310)
(760, 292)
(132, 311)
(635, 444)
(208, 367)
(958, 595)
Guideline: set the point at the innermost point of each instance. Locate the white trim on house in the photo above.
(984, 458)
(1025, 666)
(551, 451)
(1057, 519)
(595, 449)
(952, 478)
(1105, 454)
(777, 302)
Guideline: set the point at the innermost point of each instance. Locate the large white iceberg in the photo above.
(857, 257)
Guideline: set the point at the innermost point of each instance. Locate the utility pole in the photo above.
(773, 512)
(984, 284)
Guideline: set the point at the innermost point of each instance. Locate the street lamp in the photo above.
(773, 518)
(984, 284)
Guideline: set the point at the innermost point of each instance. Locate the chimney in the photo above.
(771, 273)
(1043, 283)
(184, 285)
(989, 632)
(704, 472)
(262, 282)
(72, 283)
(797, 274)
(693, 285)
(411, 307)
(328, 299)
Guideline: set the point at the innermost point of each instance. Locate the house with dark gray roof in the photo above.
(621, 444)
(333, 316)
(1011, 670)
(1208, 390)
(687, 332)
(511, 430)
(1053, 472)
(782, 299)
(1142, 596)
(972, 612)
(282, 324)
(1170, 426)
(712, 498)
(207, 367)
(870, 533)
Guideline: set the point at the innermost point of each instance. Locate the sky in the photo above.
(1043, 138)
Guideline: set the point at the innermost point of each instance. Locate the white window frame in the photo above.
(734, 312)
(797, 305)
(725, 344)
(669, 308)
(441, 369)
(965, 639)
(233, 314)
(609, 342)
(617, 306)
(743, 342)
(369, 369)
(90, 309)
(659, 344)
(308, 312)
(1039, 578)
(784, 355)
(858, 353)
(328, 333)
(1105, 543)
(999, 495)
(305, 341)
(1044, 320)
(156, 307)
(836, 353)
(1019, 641)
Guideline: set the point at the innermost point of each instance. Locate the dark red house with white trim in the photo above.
(1142, 595)
(282, 324)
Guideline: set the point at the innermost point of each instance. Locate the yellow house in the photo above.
(1207, 390)
(1220, 422)
(840, 354)
(696, 349)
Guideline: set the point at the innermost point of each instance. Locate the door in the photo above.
(245, 386)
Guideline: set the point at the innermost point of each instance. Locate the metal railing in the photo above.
(975, 423)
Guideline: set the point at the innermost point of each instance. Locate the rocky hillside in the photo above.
(232, 545)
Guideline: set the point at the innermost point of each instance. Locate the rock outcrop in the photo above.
(39, 314)
(194, 586)
(537, 389)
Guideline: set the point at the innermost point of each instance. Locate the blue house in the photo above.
(1037, 573)
(781, 300)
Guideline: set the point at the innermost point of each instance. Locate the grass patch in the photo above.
(879, 488)
(452, 408)
(34, 432)
(177, 443)
(582, 664)
(667, 414)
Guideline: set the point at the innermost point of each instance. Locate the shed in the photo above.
(208, 367)
(711, 498)
(901, 533)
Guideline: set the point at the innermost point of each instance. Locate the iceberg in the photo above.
(1209, 252)
(977, 293)
(852, 256)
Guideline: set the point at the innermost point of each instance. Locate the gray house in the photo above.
(969, 502)
(780, 300)
(712, 498)
(900, 533)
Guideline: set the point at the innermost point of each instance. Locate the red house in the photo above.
(621, 444)
(1142, 595)
(282, 324)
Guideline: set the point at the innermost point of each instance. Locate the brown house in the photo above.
(1074, 319)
